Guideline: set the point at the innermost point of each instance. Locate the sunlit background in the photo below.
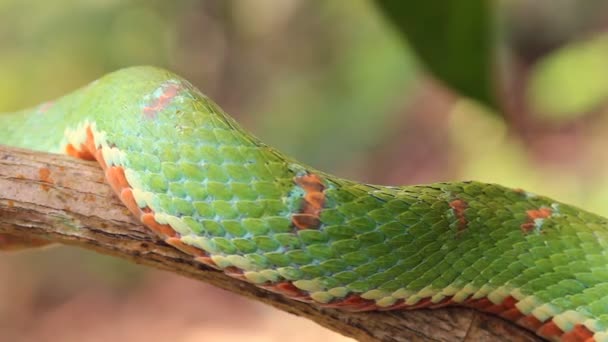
(330, 83)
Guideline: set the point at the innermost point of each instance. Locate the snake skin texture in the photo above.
(207, 187)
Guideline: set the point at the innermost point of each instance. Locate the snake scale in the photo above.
(212, 190)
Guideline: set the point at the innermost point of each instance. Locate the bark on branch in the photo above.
(64, 200)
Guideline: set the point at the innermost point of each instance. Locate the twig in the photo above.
(61, 199)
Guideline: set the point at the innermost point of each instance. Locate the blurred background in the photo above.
(338, 87)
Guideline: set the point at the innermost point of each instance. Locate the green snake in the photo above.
(214, 191)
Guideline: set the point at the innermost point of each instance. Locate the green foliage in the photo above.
(347, 105)
(565, 84)
(453, 38)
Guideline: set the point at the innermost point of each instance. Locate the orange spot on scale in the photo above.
(161, 229)
(399, 305)
(315, 200)
(206, 260)
(443, 303)
(539, 213)
(72, 151)
(115, 175)
(99, 157)
(305, 221)
(126, 196)
(423, 303)
(532, 215)
(507, 304)
(170, 90)
(530, 322)
(353, 302)
(549, 330)
(480, 304)
(494, 309)
(10, 203)
(579, 333)
(527, 227)
(286, 288)
(235, 272)
(310, 183)
(458, 207)
(90, 142)
(308, 217)
(86, 150)
(513, 315)
(177, 243)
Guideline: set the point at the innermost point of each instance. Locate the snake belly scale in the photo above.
(212, 190)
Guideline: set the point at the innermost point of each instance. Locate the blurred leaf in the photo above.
(454, 38)
(571, 81)
(348, 104)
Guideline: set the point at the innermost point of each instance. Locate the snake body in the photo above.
(207, 187)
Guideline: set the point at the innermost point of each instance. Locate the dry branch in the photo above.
(55, 197)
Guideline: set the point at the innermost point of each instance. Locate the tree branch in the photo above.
(61, 199)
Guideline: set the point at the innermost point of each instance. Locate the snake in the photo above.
(209, 188)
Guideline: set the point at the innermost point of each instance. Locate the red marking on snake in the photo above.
(530, 322)
(177, 243)
(305, 221)
(288, 289)
(481, 304)
(443, 303)
(99, 157)
(126, 196)
(314, 200)
(169, 91)
(458, 207)
(540, 213)
(116, 177)
(353, 302)
(512, 315)
(206, 260)
(578, 333)
(87, 150)
(235, 272)
(161, 229)
(532, 215)
(550, 330)
(505, 309)
(486, 305)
